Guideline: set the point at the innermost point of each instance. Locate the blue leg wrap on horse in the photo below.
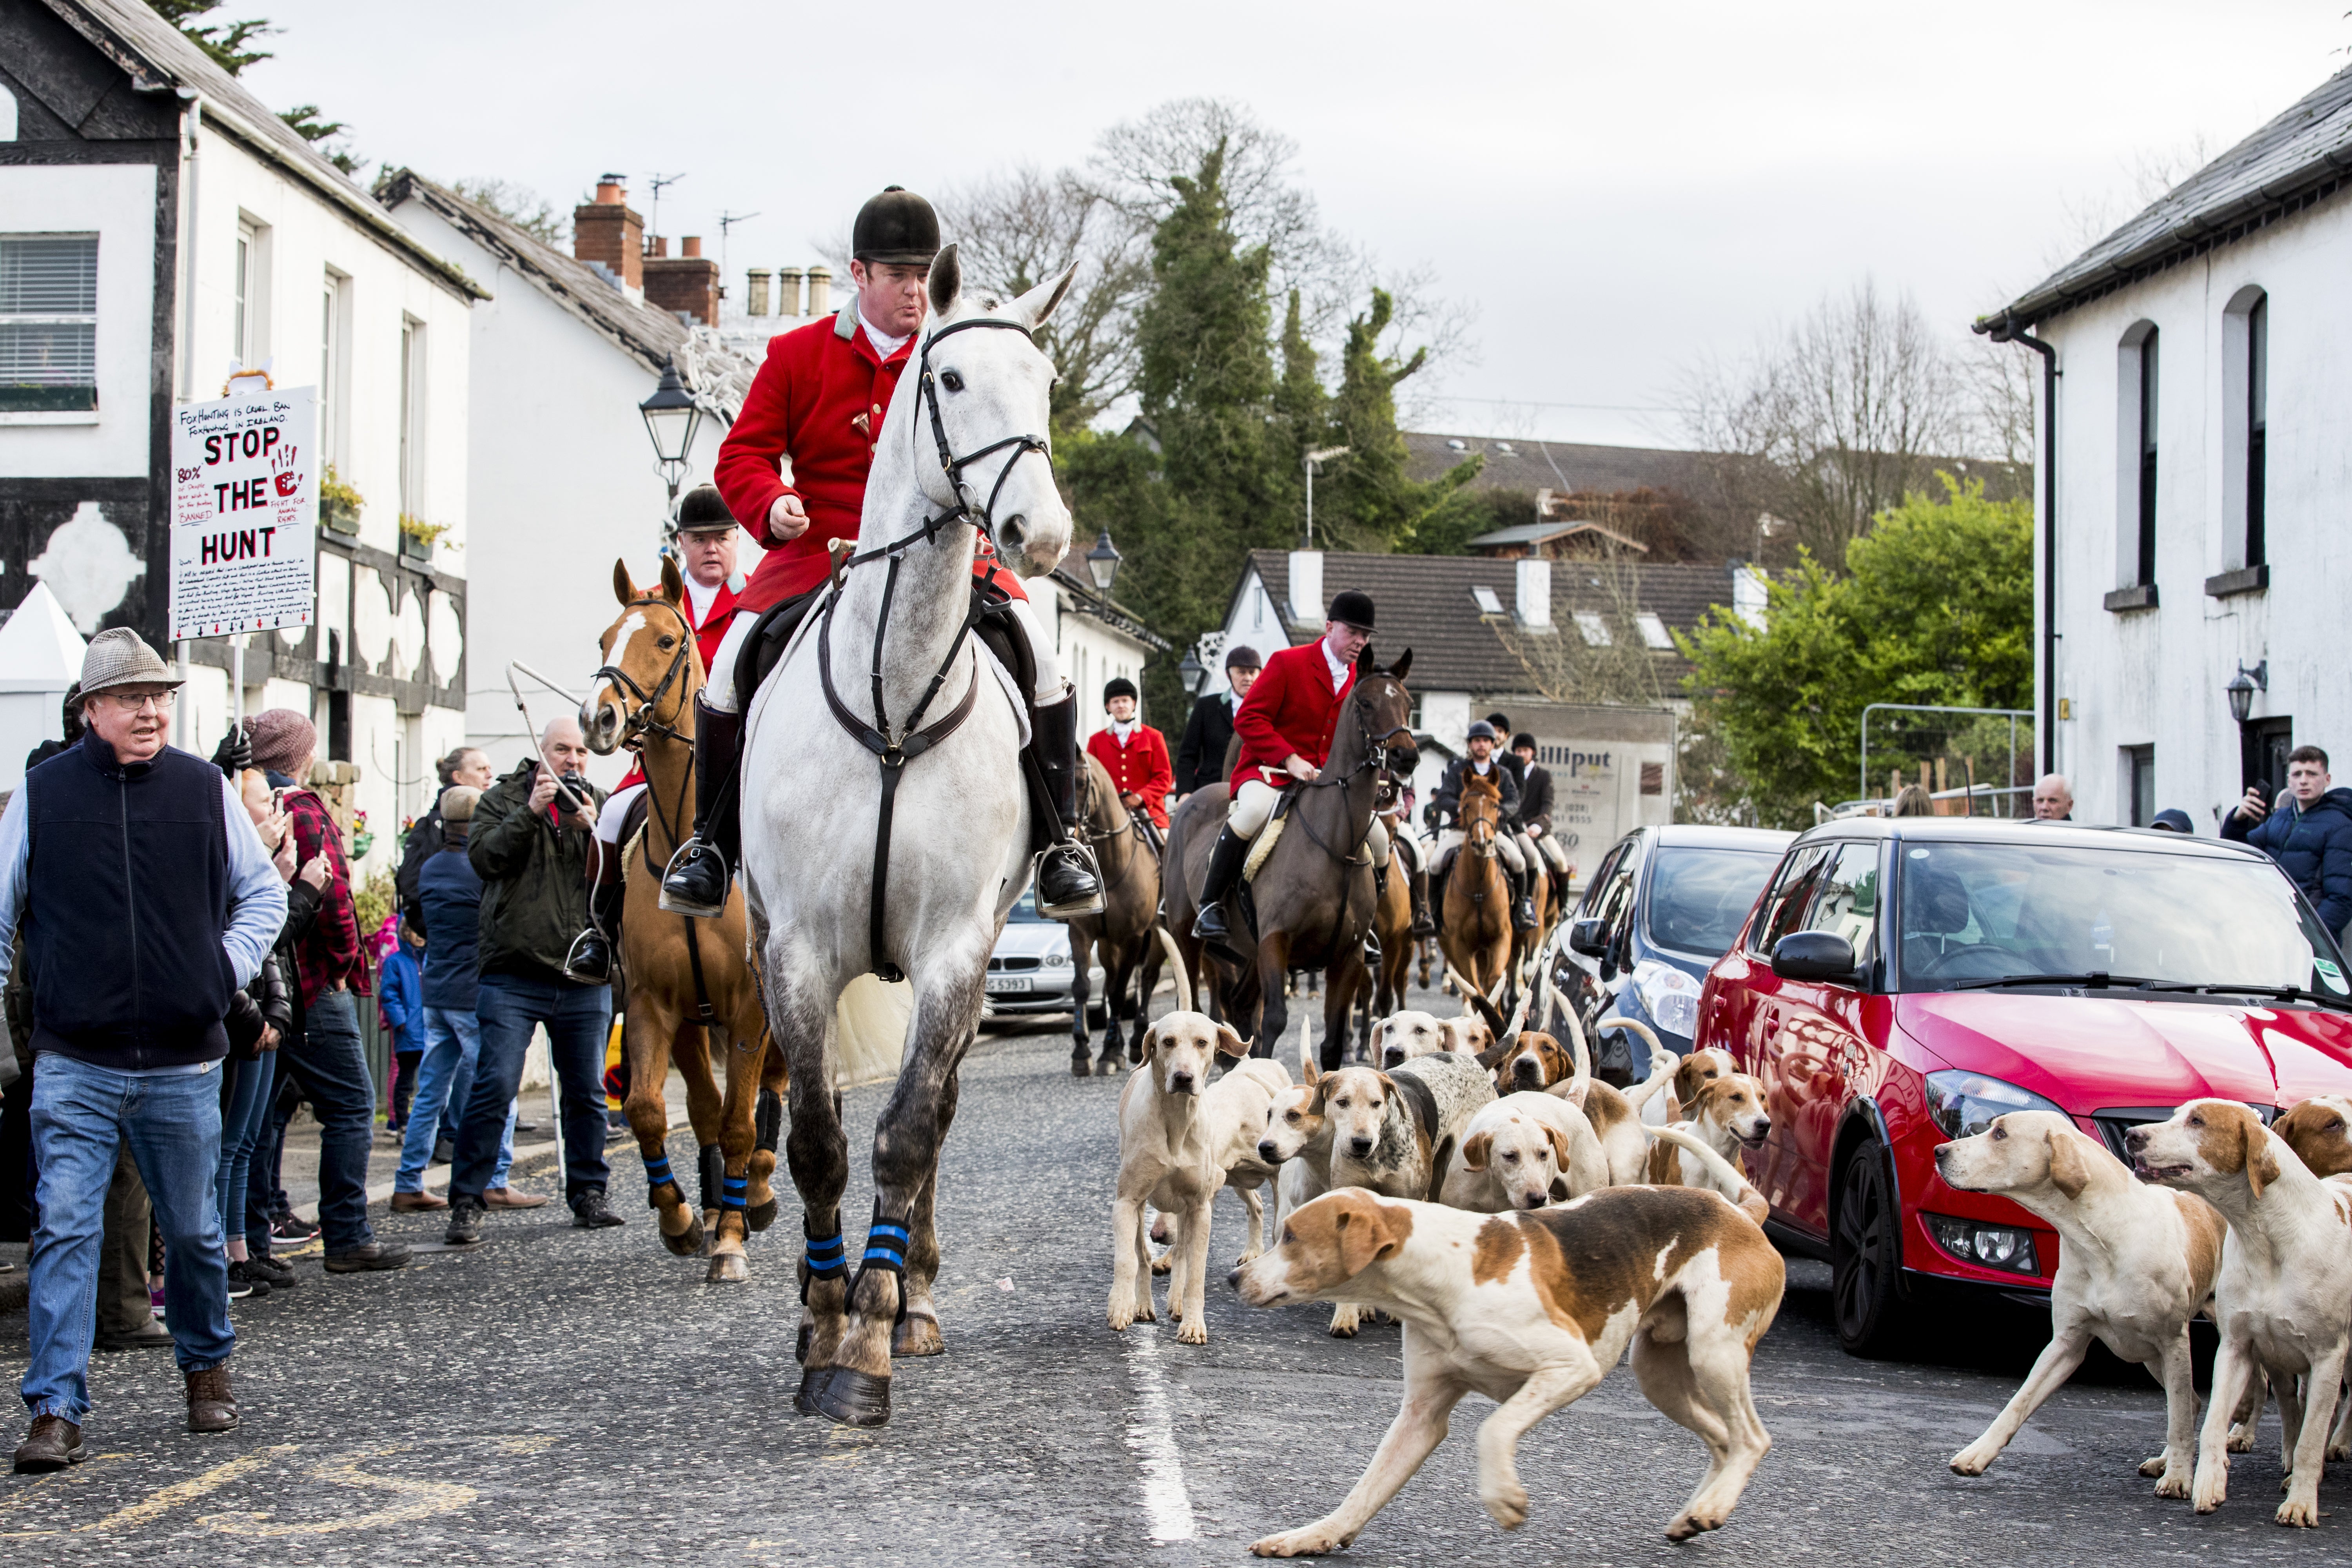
(657, 1171)
(886, 1243)
(732, 1192)
(828, 1258)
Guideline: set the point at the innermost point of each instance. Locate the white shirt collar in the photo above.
(884, 343)
(1122, 729)
(1334, 663)
(701, 599)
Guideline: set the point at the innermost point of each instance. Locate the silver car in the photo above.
(1030, 970)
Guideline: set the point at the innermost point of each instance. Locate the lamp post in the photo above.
(1102, 564)
(672, 416)
(1190, 670)
(1320, 455)
(2240, 692)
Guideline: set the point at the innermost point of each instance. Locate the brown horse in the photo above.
(1476, 932)
(1313, 895)
(1124, 933)
(685, 985)
(1392, 925)
(1525, 944)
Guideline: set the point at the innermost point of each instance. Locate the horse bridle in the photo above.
(643, 721)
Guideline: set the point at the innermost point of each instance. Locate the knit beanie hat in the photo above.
(281, 738)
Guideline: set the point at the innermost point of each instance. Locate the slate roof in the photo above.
(159, 58)
(1544, 532)
(650, 334)
(1424, 603)
(2302, 157)
(1515, 465)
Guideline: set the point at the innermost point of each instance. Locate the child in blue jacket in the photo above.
(400, 1004)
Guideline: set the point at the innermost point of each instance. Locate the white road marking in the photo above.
(1152, 1435)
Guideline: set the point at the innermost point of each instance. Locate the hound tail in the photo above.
(1175, 957)
(1663, 1061)
(1727, 1177)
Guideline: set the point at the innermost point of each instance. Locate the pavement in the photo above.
(566, 1397)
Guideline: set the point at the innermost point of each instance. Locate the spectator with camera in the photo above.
(532, 835)
(2308, 833)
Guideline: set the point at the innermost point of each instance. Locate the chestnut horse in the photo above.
(1476, 932)
(643, 701)
(1126, 934)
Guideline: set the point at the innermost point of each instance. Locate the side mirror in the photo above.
(1588, 936)
(1813, 955)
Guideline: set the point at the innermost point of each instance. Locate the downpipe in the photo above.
(2007, 328)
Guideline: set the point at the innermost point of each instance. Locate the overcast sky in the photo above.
(1615, 191)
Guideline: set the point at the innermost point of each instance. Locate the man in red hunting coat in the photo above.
(1285, 725)
(818, 404)
(1134, 755)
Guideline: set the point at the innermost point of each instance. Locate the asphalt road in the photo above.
(563, 1397)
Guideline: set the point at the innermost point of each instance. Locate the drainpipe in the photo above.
(189, 164)
(2007, 328)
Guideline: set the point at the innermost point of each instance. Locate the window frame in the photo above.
(2139, 786)
(1865, 956)
(1800, 861)
(53, 318)
(414, 346)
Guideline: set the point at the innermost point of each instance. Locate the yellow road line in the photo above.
(178, 1492)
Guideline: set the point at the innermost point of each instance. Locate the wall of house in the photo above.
(1094, 653)
(562, 482)
(2154, 676)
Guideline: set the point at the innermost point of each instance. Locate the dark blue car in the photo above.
(1664, 904)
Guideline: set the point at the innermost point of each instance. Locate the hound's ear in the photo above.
(947, 281)
(1559, 1145)
(1368, 1231)
(2261, 1163)
(1403, 663)
(1475, 1150)
(1032, 308)
(673, 585)
(1151, 1040)
(2070, 1173)
(1230, 1042)
(622, 588)
(1387, 1082)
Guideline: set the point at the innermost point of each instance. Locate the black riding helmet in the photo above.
(703, 511)
(896, 228)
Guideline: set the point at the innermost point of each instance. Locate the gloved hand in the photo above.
(234, 754)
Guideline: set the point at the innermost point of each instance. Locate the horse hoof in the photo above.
(760, 1216)
(1079, 1064)
(1106, 1067)
(804, 1400)
(799, 1354)
(687, 1243)
(917, 1334)
(727, 1268)
(852, 1398)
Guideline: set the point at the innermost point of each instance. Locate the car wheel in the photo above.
(1866, 1257)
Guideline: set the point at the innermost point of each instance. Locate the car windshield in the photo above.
(1970, 914)
(1698, 897)
(1025, 909)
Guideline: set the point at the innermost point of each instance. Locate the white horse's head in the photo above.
(993, 388)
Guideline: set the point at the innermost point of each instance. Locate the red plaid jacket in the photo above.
(330, 953)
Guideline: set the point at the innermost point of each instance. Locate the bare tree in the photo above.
(1831, 422)
(520, 205)
(1596, 653)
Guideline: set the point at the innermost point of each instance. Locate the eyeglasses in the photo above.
(132, 701)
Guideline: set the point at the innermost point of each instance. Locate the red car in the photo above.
(1902, 982)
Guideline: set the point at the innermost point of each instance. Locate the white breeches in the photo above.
(617, 809)
(721, 693)
(1254, 803)
(1505, 844)
(1553, 855)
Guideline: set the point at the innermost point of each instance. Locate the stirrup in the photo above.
(1091, 903)
(685, 860)
(573, 969)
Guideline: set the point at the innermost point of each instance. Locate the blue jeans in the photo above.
(444, 1078)
(578, 1018)
(329, 1065)
(80, 1115)
(243, 1114)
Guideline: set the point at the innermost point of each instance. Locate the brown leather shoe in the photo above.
(52, 1445)
(211, 1407)
(509, 1198)
(411, 1203)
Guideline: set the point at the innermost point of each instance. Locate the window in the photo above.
(2258, 375)
(249, 326)
(2140, 784)
(1594, 629)
(1847, 903)
(1595, 888)
(1654, 635)
(1786, 903)
(1489, 603)
(412, 417)
(49, 322)
(331, 367)
(2145, 497)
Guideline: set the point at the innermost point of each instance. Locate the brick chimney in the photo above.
(686, 283)
(606, 231)
(788, 290)
(820, 298)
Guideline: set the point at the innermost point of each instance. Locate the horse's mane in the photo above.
(1481, 783)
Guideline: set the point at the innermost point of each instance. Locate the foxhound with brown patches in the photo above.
(2136, 1263)
(1396, 1133)
(1727, 1115)
(1699, 1165)
(1534, 1062)
(2284, 1296)
(1532, 1310)
(1672, 1098)
(1523, 1152)
(1612, 1117)
(1296, 1142)
(2319, 1131)
(1177, 1138)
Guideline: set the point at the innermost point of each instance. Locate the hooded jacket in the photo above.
(534, 878)
(2312, 844)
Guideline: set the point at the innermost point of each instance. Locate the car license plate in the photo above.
(998, 985)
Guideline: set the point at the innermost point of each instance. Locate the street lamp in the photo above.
(1190, 670)
(1102, 562)
(1320, 455)
(2242, 686)
(672, 416)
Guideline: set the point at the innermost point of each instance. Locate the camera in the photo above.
(576, 783)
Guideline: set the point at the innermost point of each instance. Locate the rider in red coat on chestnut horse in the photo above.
(1135, 756)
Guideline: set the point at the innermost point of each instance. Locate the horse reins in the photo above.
(893, 750)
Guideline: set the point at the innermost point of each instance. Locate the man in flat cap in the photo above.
(146, 901)
(819, 400)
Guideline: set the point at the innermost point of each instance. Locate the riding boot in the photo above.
(1523, 901)
(1417, 885)
(589, 962)
(1066, 883)
(1225, 861)
(697, 880)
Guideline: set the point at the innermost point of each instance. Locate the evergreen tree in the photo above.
(1302, 409)
(224, 41)
(1372, 505)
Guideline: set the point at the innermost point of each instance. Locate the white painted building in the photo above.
(2203, 385)
(561, 476)
(1097, 640)
(159, 224)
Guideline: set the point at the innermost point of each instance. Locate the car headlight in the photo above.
(1964, 1103)
(1670, 995)
(2003, 1247)
(1060, 959)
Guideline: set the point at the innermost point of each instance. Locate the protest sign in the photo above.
(245, 513)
